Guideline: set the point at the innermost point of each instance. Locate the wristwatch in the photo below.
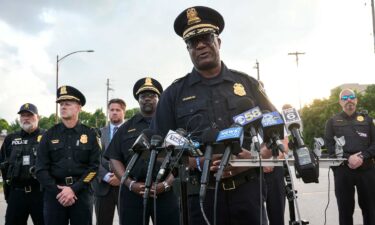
(166, 186)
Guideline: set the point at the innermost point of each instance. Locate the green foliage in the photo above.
(97, 119)
(14, 126)
(4, 125)
(47, 122)
(131, 112)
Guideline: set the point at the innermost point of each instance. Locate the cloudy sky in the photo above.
(135, 38)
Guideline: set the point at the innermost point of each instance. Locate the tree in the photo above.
(47, 122)
(4, 125)
(131, 112)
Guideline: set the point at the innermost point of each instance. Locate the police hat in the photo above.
(28, 107)
(70, 93)
(147, 84)
(198, 20)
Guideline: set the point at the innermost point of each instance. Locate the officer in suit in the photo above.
(358, 172)
(207, 97)
(18, 155)
(106, 184)
(68, 160)
(147, 92)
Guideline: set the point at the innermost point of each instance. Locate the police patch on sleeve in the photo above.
(239, 89)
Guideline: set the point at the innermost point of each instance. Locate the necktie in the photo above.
(114, 131)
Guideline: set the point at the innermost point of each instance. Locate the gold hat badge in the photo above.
(63, 90)
(148, 81)
(26, 106)
(192, 16)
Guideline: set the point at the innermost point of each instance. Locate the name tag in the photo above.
(362, 134)
(26, 160)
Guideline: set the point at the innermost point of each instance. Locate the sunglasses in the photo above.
(207, 39)
(346, 97)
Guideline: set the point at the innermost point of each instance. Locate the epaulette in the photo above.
(180, 79)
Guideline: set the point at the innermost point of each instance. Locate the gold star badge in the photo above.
(239, 89)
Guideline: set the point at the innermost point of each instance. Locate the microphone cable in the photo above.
(329, 196)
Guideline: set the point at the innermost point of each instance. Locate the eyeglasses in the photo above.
(346, 97)
(147, 95)
(207, 39)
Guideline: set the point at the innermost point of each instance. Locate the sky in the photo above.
(133, 39)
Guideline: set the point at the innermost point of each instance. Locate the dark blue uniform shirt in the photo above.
(359, 133)
(68, 152)
(195, 103)
(124, 139)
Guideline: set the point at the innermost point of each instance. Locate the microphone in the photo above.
(318, 143)
(232, 138)
(156, 141)
(273, 129)
(305, 163)
(250, 118)
(339, 150)
(140, 145)
(208, 139)
(172, 140)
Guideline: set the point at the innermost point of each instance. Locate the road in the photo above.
(312, 201)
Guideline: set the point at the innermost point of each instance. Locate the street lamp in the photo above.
(57, 75)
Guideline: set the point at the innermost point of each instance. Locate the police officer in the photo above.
(208, 97)
(359, 150)
(68, 158)
(146, 91)
(18, 155)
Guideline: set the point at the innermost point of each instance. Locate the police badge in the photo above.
(360, 118)
(83, 139)
(239, 89)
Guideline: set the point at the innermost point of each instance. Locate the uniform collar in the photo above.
(139, 117)
(225, 74)
(24, 133)
(77, 128)
(346, 116)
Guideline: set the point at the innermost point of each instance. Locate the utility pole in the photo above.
(299, 86)
(106, 104)
(257, 68)
(296, 54)
(373, 21)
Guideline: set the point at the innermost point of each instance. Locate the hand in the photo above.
(159, 189)
(267, 169)
(139, 188)
(355, 161)
(67, 196)
(113, 180)
(229, 170)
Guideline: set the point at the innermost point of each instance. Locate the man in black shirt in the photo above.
(207, 97)
(68, 159)
(359, 150)
(146, 91)
(18, 156)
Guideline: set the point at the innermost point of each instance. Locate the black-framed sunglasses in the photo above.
(346, 97)
(207, 39)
